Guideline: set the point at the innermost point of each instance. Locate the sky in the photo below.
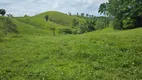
(33, 7)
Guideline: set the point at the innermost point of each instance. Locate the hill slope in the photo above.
(61, 18)
(55, 17)
(103, 54)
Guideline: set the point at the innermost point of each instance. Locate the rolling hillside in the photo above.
(61, 18)
(56, 17)
(35, 54)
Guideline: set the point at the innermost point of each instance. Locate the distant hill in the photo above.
(60, 18)
(56, 17)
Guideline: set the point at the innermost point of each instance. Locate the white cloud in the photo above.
(32, 7)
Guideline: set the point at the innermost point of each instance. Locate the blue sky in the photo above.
(33, 7)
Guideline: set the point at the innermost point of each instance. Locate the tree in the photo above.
(103, 8)
(126, 13)
(10, 15)
(2, 12)
(82, 14)
(46, 17)
(87, 15)
(75, 22)
(77, 14)
(69, 13)
(88, 26)
(9, 26)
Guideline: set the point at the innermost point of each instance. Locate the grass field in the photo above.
(104, 54)
(35, 54)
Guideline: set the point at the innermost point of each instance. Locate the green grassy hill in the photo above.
(35, 54)
(22, 28)
(104, 54)
(58, 18)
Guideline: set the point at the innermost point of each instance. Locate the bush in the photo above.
(128, 23)
(75, 23)
(9, 26)
(99, 25)
(53, 30)
(65, 31)
(117, 24)
(102, 22)
(46, 17)
(83, 28)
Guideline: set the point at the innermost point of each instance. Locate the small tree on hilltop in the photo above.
(69, 14)
(77, 14)
(2, 12)
(87, 15)
(82, 14)
(46, 17)
(10, 15)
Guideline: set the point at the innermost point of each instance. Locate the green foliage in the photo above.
(128, 23)
(2, 12)
(8, 25)
(10, 15)
(26, 15)
(88, 26)
(82, 14)
(87, 15)
(100, 25)
(117, 24)
(34, 54)
(122, 10)
(100, 55)
(46, 17)
(103, 8)
(69, 13)
(53, 30)
(102, 22)
(75, 23)
(65, 31)
(61, 18)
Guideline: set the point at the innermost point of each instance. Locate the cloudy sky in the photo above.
(33, 7)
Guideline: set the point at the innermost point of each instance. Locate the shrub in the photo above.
(46, 17)
(99, 24)
(128, 23)
(75, 22)
(53, 30)
(65, 31)
(117, 24)
(9, 26)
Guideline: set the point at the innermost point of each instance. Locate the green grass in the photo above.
(105, 54)
(59, 21)
(60, 18)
